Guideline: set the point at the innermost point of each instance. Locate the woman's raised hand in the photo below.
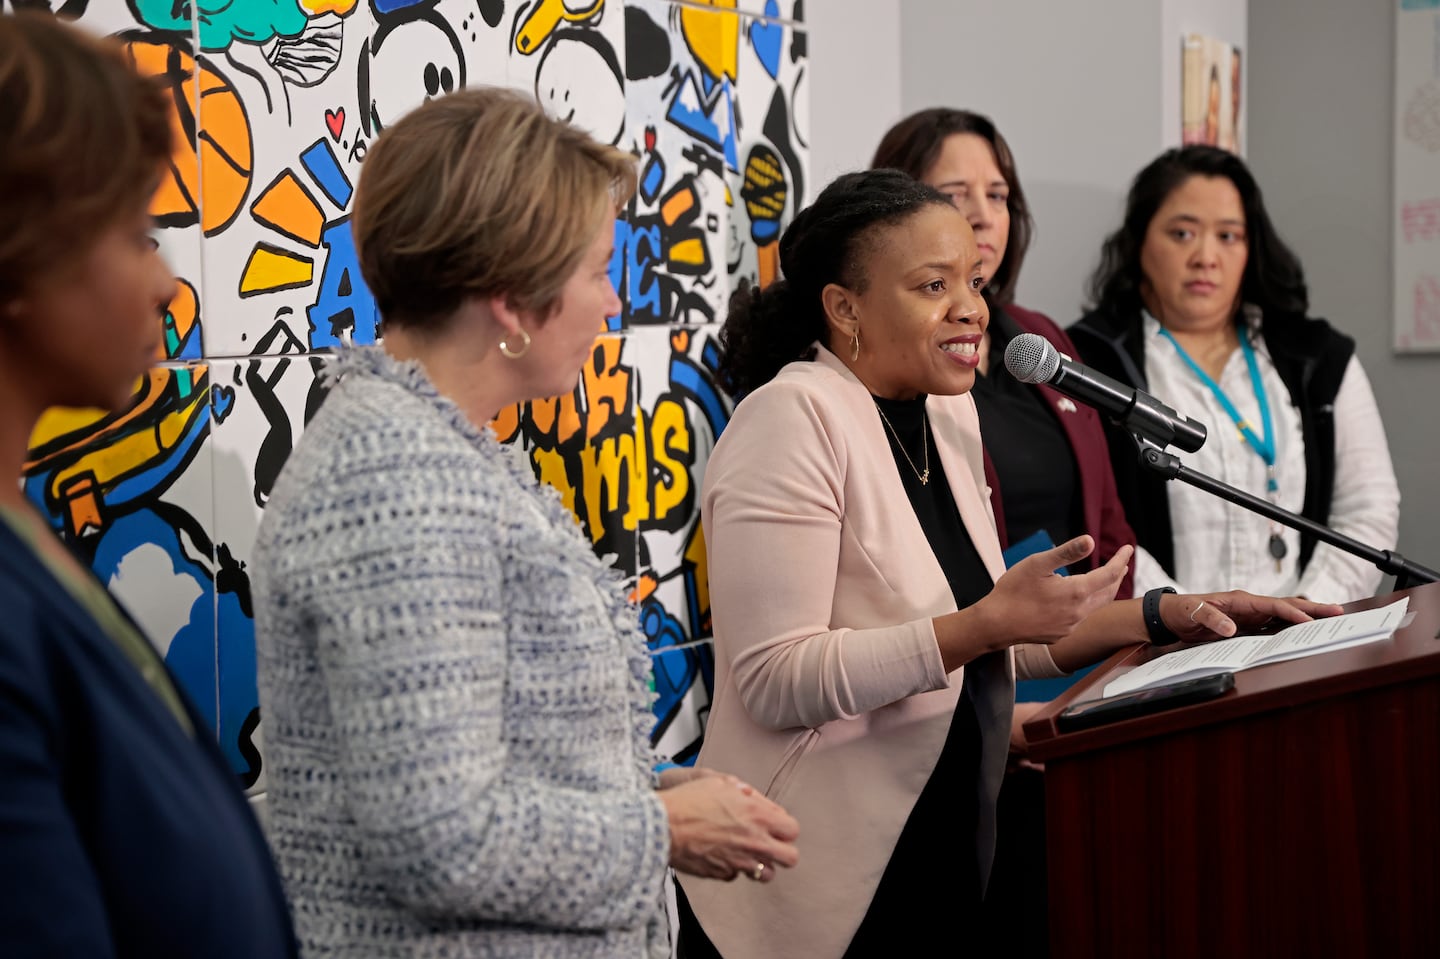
(1034, 604)
(1031, 603)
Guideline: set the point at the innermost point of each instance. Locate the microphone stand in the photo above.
(1168, 465)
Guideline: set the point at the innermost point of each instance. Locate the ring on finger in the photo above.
(759, 871)
(1196, 610)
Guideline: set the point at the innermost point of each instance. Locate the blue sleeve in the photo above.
(50, 899)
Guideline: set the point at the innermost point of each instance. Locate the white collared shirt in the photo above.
(1221, 546)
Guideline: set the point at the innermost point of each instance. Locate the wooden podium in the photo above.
(1297, 815)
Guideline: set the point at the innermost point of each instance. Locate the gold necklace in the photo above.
(924, 477)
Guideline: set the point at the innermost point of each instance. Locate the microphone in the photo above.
(1031, 358)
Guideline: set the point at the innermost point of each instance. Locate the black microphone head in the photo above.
(1031, 358)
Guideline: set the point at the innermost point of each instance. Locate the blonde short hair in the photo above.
(477, 194)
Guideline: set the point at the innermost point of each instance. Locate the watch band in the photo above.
(1155, 627)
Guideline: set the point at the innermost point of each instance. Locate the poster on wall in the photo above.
(1210, 92)
(1416, 231)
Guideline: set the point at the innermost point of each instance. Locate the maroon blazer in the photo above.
(1104, 516)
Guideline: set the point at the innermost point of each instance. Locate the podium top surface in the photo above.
(1413, 653)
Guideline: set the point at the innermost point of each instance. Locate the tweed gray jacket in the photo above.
(454, 692)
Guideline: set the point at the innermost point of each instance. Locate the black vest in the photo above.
(1310, 357)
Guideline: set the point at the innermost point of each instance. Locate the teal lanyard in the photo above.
(1264, 448)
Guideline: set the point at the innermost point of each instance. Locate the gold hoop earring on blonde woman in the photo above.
(855, 347)
(511, 353)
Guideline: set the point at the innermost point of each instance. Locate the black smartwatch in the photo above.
(1155, 627)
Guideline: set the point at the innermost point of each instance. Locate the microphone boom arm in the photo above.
(1388, 561)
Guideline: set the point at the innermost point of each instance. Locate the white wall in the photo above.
(854, 83)
(1074, 87)
(1321, 91)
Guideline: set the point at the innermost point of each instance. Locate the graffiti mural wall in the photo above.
(275, 103)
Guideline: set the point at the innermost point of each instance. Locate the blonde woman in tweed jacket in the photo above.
(455, 691)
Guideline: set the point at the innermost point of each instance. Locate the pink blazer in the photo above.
(830, 693)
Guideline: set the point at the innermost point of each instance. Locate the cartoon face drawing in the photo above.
(579, 80)
(412, 57)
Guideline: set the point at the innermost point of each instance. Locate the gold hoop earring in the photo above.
(855, 347)
(513, 354)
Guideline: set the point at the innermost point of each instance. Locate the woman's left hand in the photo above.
(1202, 617)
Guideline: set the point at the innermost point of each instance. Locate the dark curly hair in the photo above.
(914, 144)
(826, 243)
(1273, 278)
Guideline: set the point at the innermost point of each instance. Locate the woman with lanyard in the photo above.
(1200, 303)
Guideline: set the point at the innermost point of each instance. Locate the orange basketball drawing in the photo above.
(212, 139)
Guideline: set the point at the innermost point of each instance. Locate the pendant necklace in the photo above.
(923, 477)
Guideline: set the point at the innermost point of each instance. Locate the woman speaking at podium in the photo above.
(867, 634)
